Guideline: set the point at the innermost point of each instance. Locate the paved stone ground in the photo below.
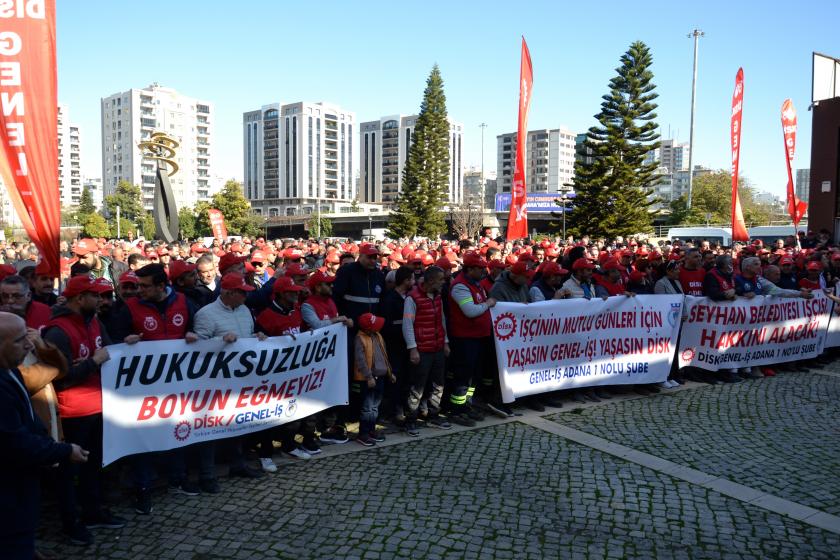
(504, 491)
(780, 435)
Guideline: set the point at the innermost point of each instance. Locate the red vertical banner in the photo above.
(518, 216)
(217, 224)
(29, 121)
(796, 208)
(739, 228)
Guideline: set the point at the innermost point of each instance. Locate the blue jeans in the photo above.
(371, 399)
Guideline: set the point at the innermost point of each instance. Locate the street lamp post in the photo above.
(696, 34)
(563, 198)
(370, 227)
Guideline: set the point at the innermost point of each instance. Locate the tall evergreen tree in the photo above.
(425, 181)
(86, 207)
(612, 182)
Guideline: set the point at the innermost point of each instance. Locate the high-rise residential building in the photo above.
(70, 180)
(298, 158)
(549, 160)
(94, 185)
(384, 152)
(473, 191)
(672, 186)
(671, 155)
(803, 184)
(131, 116)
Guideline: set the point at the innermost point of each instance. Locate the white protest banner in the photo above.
(564, 344)
(752, 332)
(832, 335)
(166, 394)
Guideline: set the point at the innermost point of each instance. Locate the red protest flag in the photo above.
(29, 122)
(739, 228)
(518, 215)
(796, 208)
(217, 224)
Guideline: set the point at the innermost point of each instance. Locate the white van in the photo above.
(721, 236)
(769, 234)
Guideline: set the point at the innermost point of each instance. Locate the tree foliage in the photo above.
(612, 182)
(425, 180)
(319, 226)
(95, 225)
(712, 202)
(147, 225)
(186, 222)
(86, 207)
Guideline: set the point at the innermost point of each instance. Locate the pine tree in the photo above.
(86, 207)
(612, 182)
(425, 181)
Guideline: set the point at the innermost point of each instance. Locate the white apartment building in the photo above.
(298, 158)
(549, 160)
(384, 152)
(671, 155)
(477, 193)
(131, 116)
(70, 178)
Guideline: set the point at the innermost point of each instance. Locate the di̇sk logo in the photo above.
(688, 354)
(292, 408)
(177, 319)
(182, 430)
(505, 326)
(150, 323)
(84, 351)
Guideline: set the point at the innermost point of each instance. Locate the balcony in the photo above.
(202, 109)
(331, 154)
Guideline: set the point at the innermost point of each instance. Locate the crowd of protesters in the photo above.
(420, 346)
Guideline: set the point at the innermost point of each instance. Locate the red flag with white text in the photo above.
(518, 216)
(739, 228)
(217, 224)
(29, 121)
(796, 208)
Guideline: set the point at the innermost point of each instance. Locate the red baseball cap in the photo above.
(814, 265)
(128, 277)
(7, 270)
(286, 284)
(179, 268)
(521, 269)
(258, 256)
(43, 269)
(85, 246)
(319, 278)
(198, 248)
(295, 269)
(292, 253)
(234, 281)
(581, 264)
(551, 268)
(79, 285)
(496, 263)
(474, 259)
(332, 258)
(613, 264)
(369, 249)
(370, 322)
(102, 286)
(787, 259)
(445, 263)
(228, 260)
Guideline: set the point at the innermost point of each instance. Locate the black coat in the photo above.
(26, 449)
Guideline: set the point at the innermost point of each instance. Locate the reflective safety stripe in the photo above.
(454, 399)
(465, 300)
(360, 299)
(470, 391)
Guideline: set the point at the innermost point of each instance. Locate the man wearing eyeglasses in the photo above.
(161, 313)
(16, 297)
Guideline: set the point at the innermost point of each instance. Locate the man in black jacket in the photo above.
(27, 446)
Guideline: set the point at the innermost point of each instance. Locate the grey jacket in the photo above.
(505, 290)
